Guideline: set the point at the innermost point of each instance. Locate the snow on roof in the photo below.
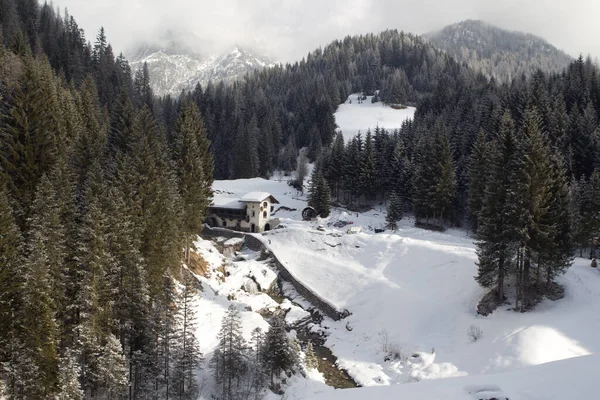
(227, 202)
(257, 197)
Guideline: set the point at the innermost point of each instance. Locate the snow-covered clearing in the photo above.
(413, 290)
(353, 117)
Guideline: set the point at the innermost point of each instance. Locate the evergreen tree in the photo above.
(188, 356)
(478, 173)
(29, 134)
(11, 284)
(434, 181)
(497, 224)
(394, 211)
(229, 360)
(191, 160)
(280, 356)
(319, 196)
(366, 178)
(43, 284)
(68, 378)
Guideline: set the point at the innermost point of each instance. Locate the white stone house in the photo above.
(250, 213)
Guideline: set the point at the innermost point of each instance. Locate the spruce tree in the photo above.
(11, 282)
(533, 199)
(194, 170)
(367, 171)
(279, 356)
(394, 211)
(68, 378)
(229, 360)
(497, 224)
(187, 357)
(478, 173)
(319, 196)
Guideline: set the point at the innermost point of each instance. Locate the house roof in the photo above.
(257, 197)
(227, 202)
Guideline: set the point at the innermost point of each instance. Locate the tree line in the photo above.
(99, 206)
(516, 163)
(246, 369)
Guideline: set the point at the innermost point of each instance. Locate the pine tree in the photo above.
(256, 380)
(337, 164)
(229, 360)
(319, 196)
(279, 356)
(446, 184)
(11, 284)
(157, 192)
(68, 378)
(589, 206)
(434, 182)
(533, 198)
(497, 224)
(29, 134)
(44, 285)
(366, 178)
(394, 211)
(478, 173)
(191, 160)
(188, 356)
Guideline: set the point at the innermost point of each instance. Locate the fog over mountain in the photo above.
(286, 30)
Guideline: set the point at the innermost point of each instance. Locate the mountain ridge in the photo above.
(497, 52)
(173, 69)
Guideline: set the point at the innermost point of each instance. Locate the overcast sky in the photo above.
(287, 29)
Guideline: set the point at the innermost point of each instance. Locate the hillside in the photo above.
(173, 69)
(497, 52)
(412, 291)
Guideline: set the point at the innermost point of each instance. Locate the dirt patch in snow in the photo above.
(198, 265)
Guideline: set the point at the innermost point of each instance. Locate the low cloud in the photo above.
(287, 30)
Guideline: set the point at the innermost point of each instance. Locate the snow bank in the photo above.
(570, 379)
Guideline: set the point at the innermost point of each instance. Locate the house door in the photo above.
(252, 228)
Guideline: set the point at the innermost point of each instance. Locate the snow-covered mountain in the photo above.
(175, 69)
(498, 52)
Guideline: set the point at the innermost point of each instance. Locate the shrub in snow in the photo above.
(475, 333)
(310, 358)
(390, 349)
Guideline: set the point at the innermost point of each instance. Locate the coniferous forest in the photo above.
(103, 188)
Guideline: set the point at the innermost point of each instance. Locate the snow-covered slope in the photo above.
(353, 117)
(414, 289)
(229, 281)
(174, 70)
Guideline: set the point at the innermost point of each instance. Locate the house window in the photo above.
(265, 214)
(253, 213)
(265, 204)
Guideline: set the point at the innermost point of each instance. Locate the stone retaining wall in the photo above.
(254, 243)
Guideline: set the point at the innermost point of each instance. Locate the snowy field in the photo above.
(352, 117)
(414, 289)
(563, 380)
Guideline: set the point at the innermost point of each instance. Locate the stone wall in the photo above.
(256, 243)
